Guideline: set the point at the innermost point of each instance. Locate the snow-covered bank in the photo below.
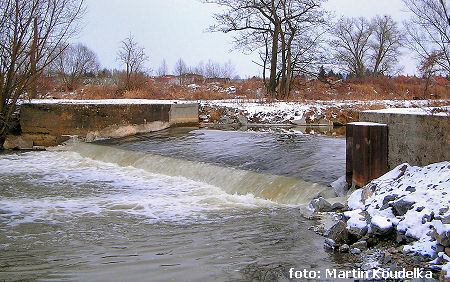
(410, 205)
(334, 111)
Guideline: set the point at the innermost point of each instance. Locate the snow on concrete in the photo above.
(444, 111)
(413, 200)
(368, 123)
(106, 102)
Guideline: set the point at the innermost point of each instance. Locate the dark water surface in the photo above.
(313, 158)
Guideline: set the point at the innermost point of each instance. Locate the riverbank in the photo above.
(400, 220)
(308, 112)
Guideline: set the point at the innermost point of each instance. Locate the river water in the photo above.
(178, 205)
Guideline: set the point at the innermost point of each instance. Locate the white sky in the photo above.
(170, 29)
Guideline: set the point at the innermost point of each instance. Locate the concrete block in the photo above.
(415, 139)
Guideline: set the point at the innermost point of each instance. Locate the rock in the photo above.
(387, 258)
(420, 209)
(358, 232)
(17, 143)
(321, 205)
(402, 238)
(410, 189)
(401, 207)
(380, 225)
(362, 245)
(427, 218)
(442, 237)
(242, 120)
(443, 210)
(324, 121)
(226, 120)
(368, 191)
(355, 251)
(446, 220)
(438, 249)
(204, 118)
(357, 223)
(330, 244)
(298, 121)
(447, 251)
(344, 248)
(338, 207)
(389, 198)
(338, 232)
(340, 186)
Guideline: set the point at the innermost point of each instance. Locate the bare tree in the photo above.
(385, 45)
(133, 57)
(199, 69)
(31, 33)
(73, 63)
(300, 36)
(227, 70)
(269, 26)
(162, 70)
(351, 43)
(428, 68)
(213, 70)
(180, 69)
(429, 30)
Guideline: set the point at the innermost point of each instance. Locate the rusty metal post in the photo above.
(349, 157)
(368, 152)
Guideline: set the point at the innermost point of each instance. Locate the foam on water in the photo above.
(57, 184)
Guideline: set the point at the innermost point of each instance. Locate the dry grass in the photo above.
(371, 88)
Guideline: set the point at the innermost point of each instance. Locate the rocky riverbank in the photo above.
(398, 221)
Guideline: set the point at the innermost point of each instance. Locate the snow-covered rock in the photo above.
(380, 225)
(412, 201)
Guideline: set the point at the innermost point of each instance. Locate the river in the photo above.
(178, 205)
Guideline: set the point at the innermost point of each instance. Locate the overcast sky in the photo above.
(172, 29)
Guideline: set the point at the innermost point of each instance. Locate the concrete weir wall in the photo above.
(413, 138)
(47, 124)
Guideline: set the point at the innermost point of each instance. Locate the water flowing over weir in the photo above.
(279, 189)
(196, 206)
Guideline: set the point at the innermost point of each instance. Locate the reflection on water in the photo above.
(67, 216)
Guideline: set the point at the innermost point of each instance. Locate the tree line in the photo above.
(77, 61)
(294, 37)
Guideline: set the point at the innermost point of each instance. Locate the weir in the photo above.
(279, 189)
(48, 122)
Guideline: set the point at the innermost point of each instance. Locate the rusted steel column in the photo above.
(367, 155)
(349, 158)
